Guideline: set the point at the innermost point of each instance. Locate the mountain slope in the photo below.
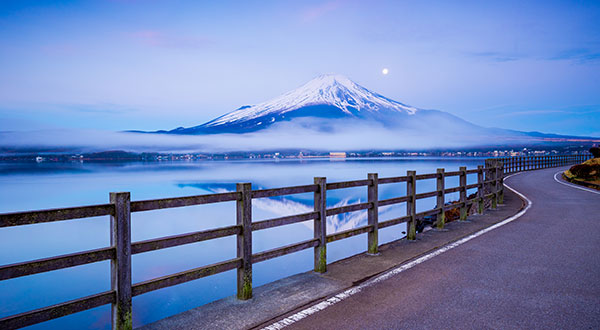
(328, 96)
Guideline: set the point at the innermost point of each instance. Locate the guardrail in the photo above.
(489, 186)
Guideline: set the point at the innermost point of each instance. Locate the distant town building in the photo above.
(337, 154)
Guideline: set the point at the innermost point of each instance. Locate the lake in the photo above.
(34, 186)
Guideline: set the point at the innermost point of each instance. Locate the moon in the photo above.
(385, 71)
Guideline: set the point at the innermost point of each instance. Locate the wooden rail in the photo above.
(489, 186)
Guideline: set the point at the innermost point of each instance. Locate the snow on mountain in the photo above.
(331, 89)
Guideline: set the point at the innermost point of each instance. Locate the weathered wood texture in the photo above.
(411, 208)
(320, 225)
(176, 240)
(395, 200)
(244, 241)
(56, 311)
(284, 191)
(373, 214)
(394, 221)
(120, 265)
(33, 217)
(463, 192)
(54, 263)
(164, 203)
(441, 197)
(396, 179)
(347, 184)
(281, 251)
(489, 186)
(282, 221)
(185, 276)
(348, 208)
(348, 233)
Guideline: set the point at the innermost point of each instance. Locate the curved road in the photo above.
(541, 271)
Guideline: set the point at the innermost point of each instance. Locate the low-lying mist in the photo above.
(305, 133)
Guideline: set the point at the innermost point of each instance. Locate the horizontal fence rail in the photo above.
(489, 187)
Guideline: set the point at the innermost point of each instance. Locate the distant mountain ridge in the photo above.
(332, 101)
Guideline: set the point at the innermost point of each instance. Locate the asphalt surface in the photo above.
(541, 271)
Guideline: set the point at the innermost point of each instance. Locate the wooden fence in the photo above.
(518, 164)
(489, 186)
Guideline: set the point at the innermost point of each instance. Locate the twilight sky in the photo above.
(118, 65)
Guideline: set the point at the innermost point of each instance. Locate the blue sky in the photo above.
(118, 65)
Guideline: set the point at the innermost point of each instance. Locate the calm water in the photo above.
(49, 185)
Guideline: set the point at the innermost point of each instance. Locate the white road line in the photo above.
(573, 185)
(352, 291)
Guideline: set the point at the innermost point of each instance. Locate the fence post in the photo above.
(493, 175)
(463, 192)
(542, 161)
(373, 214)
(320, 225)
(480, 190)
(521, 163)
(411, 184)
(244, 241)
(440, 198)
(500, 182)
(120, 266)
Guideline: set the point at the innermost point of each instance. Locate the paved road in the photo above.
(541, 271)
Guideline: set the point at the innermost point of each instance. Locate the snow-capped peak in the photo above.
(329, 89)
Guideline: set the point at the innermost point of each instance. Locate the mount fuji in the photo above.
(316, 104)
(332, 108)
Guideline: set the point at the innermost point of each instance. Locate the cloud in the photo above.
(496, 56)
(581, 55)
(531, 112)
(572, 111)
(338, 135)
(155, 38)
